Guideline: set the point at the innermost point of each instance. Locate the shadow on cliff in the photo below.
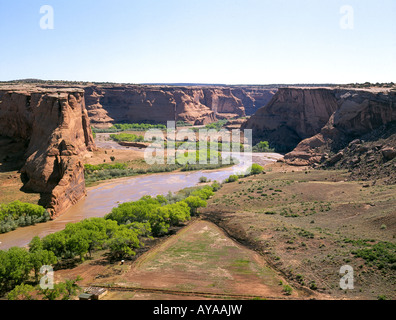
(12, 154)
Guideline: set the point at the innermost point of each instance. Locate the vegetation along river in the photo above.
(102, 198)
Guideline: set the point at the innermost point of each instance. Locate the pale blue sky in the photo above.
(205, 41)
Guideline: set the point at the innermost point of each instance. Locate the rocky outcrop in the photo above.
(158, 104)
(292, 115)
(359, 113)
(56, 129)
(371, 157)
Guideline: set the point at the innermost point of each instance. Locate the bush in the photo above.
(204, 193)
(217, 125)
(287, 289)
(262, 146)
(313, 286)
(126, 137)
(232, 178)
(256, 169)
(19, 214)
(194, 203)
(216, 186)
(203, 179)
(382, 254)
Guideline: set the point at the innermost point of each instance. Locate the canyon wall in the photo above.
(158, 104)
(292, 115)
(359, 114)
(311, 123)
(55, 127)
(53, 123)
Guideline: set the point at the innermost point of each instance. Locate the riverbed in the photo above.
(102, 198)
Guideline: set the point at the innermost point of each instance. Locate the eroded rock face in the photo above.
(56, 128)
(310, 122)
(292, 115)
(195, 105)
(358, 113)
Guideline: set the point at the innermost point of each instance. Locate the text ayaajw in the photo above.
(227, 310)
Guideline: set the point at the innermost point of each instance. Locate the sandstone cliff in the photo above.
(253, 98)
(292, 115)
(358, 113)
(56, 129)
(196, 105)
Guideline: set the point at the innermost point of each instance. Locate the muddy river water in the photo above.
(102, 198)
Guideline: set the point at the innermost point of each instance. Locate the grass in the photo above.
(382, 255)
(103, 172)
(10, 185)
(201, 258)
(127, 137)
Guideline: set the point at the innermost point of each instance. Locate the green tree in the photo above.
(78, 244)
(21, 292)
(55, 242)
(35, 244)
(123, 242)
(204, 193)
(54, 293)
(15, 267)
(40, 258)
(262, 146)
(232, 178)
(256, 169)
(71, 288)
(194, 203)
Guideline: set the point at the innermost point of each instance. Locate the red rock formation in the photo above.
(358, 113)
(311, 122)
(253, 98)
(196, 105)
(56, 128)
(293, 114)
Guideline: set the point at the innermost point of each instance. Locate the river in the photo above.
(102, 198)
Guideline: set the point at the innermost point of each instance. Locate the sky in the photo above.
(205, 41)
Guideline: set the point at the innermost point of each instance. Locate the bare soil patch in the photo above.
(309, 223)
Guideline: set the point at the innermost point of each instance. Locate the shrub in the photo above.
(382, 254)
(287, 289)
(19, 214)
(262, 146)
(306, 234)
(137, 126)
(216, 186)
(256, 169)
(128, 137)
(194, 203)
(232, 178)
(313, 285)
